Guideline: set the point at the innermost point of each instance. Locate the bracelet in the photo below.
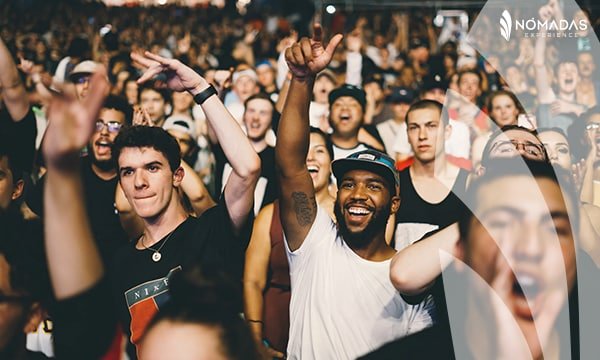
(202, 96)
(254, 321)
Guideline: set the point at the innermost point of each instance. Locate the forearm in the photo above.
(14, 94)
(293, 134)
(73, 259)
(238, 150)
(253, 307)
(587, 184)
(414, 269)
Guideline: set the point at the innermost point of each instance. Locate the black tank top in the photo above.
(413, 209)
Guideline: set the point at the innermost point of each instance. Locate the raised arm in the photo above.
(415, 268)
(239, 191)
(195, 190)
(13, 90)
(298, 207)
(545, 93)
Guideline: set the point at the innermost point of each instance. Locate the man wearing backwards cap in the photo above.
(80, 76)
(343, 303)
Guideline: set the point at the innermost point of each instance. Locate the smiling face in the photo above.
(557, 148)
(257, 118)
(504, 110)
(426, 134)
(532, 230)
(147, 181)
(318, 162)
(363, 206)
(346, 116)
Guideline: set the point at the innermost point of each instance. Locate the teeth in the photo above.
(312, 168)
(358, 211)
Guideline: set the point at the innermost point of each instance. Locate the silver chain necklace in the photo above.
(156, 256)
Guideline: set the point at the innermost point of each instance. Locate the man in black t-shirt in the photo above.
(149, 160)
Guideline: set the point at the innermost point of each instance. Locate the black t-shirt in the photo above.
(267, 173)
(100, 206)
(140, 285)
(19, 138)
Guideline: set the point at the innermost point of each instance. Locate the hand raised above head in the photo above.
(309, 56)
(180, 77)
(71, 122)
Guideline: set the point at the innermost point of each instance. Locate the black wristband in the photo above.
(202, 96)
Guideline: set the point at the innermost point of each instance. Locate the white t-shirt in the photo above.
(342, 305)
(392, 134)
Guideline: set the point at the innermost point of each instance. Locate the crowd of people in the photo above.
(191, 183)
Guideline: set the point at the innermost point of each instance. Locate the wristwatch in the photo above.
(202, 96)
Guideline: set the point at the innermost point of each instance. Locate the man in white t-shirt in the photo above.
(343, 304)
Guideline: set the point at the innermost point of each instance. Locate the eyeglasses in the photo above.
(512, 148)
(113, 126)
(82, 79)
(592, 126)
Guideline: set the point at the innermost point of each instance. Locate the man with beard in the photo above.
(99, 175)
(343, 303)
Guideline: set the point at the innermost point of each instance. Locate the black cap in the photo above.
(401, 95)
(348, 90)
(436, 81)
(370, 160)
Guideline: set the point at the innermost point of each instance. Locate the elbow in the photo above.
(252, 170)
(401, 282)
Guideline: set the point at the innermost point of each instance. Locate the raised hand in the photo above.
(71, 122)
(179, 76)
(309, 56)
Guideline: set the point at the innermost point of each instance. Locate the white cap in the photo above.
(86, 67)
(248, 72)
(182, 123)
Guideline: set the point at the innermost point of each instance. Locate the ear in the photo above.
(447, 131)
(34, 318)
(18, 190)
(178, 176)
(480, 170)
(395, 203)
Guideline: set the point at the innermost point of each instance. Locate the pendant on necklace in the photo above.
(156, 256)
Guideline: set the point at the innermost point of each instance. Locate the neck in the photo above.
(344, 141)
(431, 168)
(570, 97)
(259, 145)
(163, 224)
(376, 250)
(399, 120)
(104, 174)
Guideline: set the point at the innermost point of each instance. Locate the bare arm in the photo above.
(414, 269)
(73, 259)
(14, 94)
(131, 223)
(298, 206)
(239, 191)
(545, 93)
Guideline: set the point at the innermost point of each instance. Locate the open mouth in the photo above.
(358, 213)
(313, 169)
(344, 117)
(569, 81)
(526, 287)
(103, 147)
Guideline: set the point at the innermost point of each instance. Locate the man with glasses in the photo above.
(511, 141)
(80, 77)
(99, 176)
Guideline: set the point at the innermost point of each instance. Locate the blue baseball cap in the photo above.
(370, 160)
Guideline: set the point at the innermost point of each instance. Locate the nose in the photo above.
(359, 192)
(139, 180)
(422, 133)
(311, 155)
(529, 244)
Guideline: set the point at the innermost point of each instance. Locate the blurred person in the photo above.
(130, 90)
(325, 82)
(266, 274)
(329, 262)
(375, 110)
(588, 140)
(80, 76)
(393, 131)
(588, 90)
(182, 104)
(244, 84)
(154, 101)
(266, 75)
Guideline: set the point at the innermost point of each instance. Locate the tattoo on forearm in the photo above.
(304, 207)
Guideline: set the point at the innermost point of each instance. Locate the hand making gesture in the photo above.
(309, 56)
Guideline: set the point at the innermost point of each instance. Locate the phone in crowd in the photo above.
(528, 121)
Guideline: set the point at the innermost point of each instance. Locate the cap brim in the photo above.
(340, 167)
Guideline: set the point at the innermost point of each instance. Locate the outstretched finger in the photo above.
(145, 62)
(97, 92)
(161, 60)
(333, 44)
(317, 32)
(150, 73)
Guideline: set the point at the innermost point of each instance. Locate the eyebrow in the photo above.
(504, 208)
